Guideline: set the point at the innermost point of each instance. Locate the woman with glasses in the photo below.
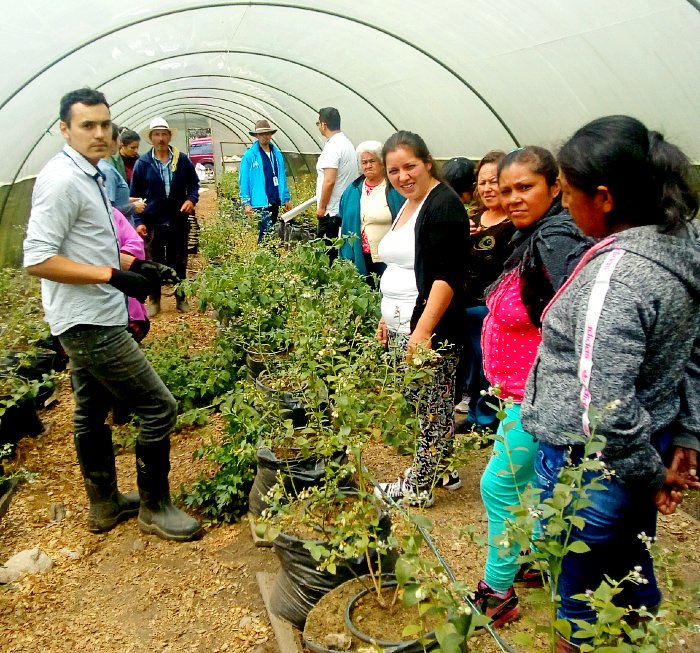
(367, 208)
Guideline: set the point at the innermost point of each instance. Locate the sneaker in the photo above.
(528, 576)
(451, 482)
(500, 610)
(403, 492)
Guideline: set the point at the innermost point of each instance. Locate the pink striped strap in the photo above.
(595, 308)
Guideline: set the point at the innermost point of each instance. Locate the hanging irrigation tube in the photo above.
(502, 643)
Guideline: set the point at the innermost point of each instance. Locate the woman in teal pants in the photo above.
(547, 246)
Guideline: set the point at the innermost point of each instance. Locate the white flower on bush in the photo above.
(636, 576)
(421, 594)
(646, 539)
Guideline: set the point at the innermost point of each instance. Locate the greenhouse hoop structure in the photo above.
(467, 76)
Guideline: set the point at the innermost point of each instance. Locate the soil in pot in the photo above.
(325, 624)
(384, 621)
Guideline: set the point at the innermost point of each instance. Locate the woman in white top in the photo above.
(422, 301)
(367, 208)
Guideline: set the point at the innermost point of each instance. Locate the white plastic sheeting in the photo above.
(468, 76)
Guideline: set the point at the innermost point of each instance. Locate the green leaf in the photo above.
(411, 630)
(403, 571)
(449, 639)
(524, 639)
(577, 546)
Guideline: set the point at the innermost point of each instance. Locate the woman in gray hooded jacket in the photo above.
(624, 331)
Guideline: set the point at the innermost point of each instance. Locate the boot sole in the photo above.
(108, 524)
(153, 529)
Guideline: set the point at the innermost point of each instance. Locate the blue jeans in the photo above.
(107, 362)
(480, 413)
(616, 517)
(501, 487)
(268, 217)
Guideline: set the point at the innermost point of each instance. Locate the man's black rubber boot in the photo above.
(108, 506)
(158, 515)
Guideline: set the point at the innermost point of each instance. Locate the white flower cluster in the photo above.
(636, 576)
(646, 539)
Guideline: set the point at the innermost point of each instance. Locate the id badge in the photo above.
(274, 181)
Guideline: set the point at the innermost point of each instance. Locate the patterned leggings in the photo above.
(435, 404)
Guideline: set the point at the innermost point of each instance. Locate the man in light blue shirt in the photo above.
(262, 179)
(72, 245)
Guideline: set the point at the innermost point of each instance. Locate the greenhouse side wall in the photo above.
(16, 200)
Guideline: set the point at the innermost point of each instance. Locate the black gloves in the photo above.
(157, 273)
(131, 284)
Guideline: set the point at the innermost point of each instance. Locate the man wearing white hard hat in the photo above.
(167, 180)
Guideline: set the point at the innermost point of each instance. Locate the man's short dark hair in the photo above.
(87, 96)
(331, 117)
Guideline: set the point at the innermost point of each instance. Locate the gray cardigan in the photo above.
(646, 354)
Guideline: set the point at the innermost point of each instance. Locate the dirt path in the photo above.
(125, 592)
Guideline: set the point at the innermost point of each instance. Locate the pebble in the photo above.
(246, 621)
(30, 561)
(57, 512)
(338, 641)
(74, 555)
(138, 545)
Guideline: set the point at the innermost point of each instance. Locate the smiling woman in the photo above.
(423, 301)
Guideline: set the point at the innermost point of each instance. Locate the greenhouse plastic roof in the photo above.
(467, 76)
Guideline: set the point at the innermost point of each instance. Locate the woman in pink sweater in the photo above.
(547, 246)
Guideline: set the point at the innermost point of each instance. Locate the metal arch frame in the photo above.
(277, 5)
(169, 58)
(224, 90)
(225, 120)
(254, 54)
(181, 105)
(250, 3)
(216, 75)
(160, 105)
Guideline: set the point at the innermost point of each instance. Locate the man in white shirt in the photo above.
(72, 245)
(336, 169)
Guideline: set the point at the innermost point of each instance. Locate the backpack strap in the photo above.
(595, 308)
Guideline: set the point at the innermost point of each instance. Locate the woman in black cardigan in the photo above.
(423, 301)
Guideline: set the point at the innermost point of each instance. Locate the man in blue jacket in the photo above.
(167, 181)
(262, 178)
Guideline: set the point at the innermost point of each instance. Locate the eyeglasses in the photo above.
(319, 123)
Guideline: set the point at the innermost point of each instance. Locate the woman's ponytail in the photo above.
(674, 180)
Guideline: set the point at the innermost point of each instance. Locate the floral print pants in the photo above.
(435, 405)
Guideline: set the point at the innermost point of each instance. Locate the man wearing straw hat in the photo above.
(262, 178)
(167, 180)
